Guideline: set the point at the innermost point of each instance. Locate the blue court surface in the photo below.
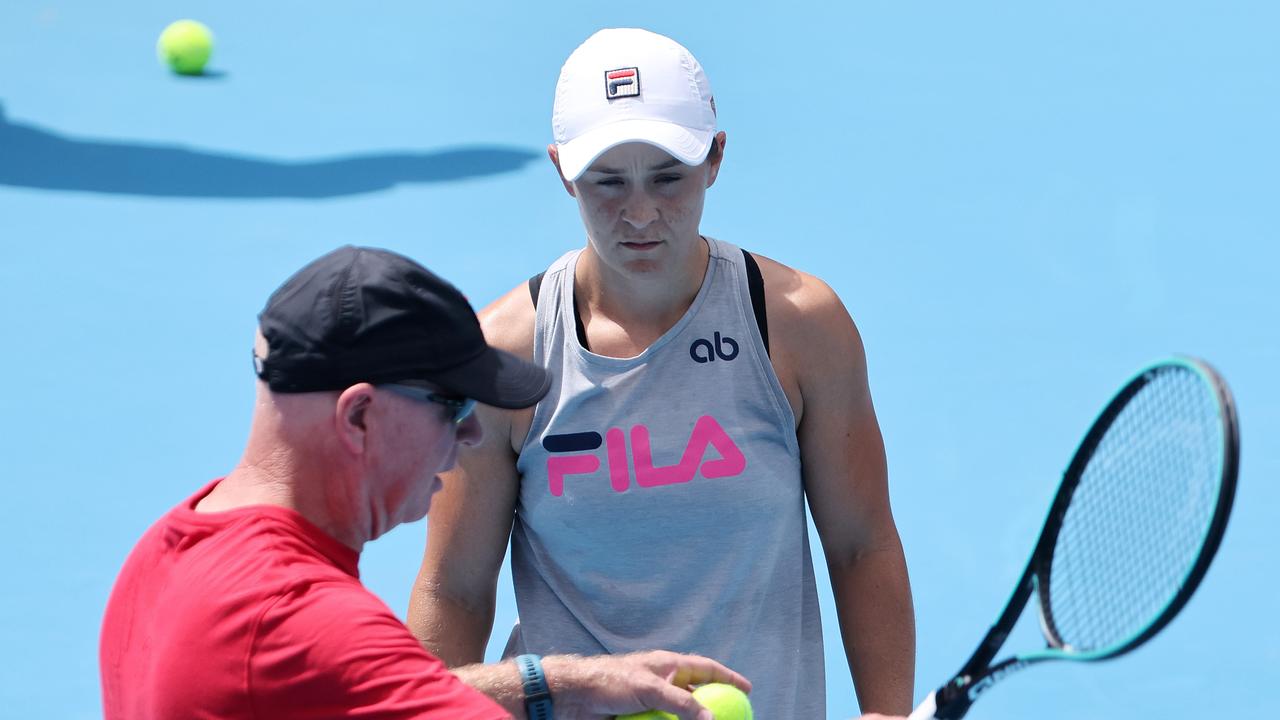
(1020, 203)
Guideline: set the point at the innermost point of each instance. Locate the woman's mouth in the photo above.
(641, 246)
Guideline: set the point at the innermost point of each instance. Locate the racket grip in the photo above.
(926, 709)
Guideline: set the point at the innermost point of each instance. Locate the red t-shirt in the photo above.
(257, 613)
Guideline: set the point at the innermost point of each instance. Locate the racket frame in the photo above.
(952, 700)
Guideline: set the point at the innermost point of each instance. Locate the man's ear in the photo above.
(553, 152)
(351, 416)
(720, 139)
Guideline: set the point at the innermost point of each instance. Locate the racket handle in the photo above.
(926, 709)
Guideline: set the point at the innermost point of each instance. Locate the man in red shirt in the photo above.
(244, 601)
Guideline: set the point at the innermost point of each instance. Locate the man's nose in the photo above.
(469, 431)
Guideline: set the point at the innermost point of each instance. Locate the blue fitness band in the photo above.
(537, 696)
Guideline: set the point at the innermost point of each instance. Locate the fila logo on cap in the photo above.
(623, 82)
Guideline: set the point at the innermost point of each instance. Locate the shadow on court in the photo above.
(33, 157)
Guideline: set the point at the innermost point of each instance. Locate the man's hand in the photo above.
(594, 688)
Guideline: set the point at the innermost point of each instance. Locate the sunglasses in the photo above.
(460, 408)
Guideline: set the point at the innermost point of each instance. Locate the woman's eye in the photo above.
(609, 182)
(668, 179)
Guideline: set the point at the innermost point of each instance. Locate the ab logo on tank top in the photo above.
(705, 351)
(574, 454)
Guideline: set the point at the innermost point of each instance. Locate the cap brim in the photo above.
(497, 378)
(685, 144)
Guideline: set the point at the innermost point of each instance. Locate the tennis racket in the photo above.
(1136, 522)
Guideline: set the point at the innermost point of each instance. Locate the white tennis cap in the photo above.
(628, 85)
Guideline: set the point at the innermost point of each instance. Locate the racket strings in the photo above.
(1138, 518)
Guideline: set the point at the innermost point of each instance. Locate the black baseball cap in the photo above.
(363, 314)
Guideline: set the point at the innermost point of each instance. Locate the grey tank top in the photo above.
(661, 505)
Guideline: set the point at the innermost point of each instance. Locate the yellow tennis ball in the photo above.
(726, 702)
(185, 46)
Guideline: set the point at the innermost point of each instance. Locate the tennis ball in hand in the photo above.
(726, 702)
(185, 47)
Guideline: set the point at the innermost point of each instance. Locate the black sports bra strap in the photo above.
(755, 284)
(535, 284)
